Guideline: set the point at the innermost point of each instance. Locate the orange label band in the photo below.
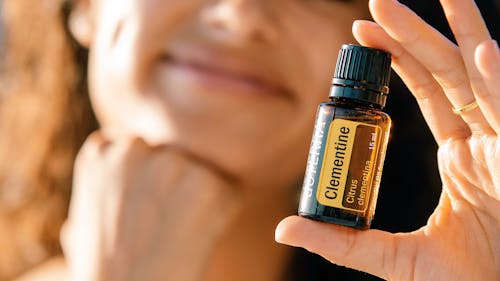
(347, 171)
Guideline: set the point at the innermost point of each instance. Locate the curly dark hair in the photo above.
(45, 115)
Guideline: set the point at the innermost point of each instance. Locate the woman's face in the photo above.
(234, 82)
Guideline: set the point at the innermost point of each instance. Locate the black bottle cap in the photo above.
(362, 74)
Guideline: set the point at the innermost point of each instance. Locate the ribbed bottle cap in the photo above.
(362, 73)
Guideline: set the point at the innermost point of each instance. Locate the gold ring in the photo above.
(466, 108)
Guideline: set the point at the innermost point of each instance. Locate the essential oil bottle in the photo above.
(349, 141)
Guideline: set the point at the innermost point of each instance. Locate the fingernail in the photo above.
(487, 58)
(278, 233)
(495, 45)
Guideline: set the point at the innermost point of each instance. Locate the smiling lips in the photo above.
(213, 69)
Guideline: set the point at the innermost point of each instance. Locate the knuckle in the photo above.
(347, 242)
(93, 147)
(350, 242)
(452, 77)
(458, 133)
(411, 41)
(124, 152)
(127, 146)
(425, 90)
(451, 152)
(400, 53)
(464, 32)
(167, 155)
(478, 128)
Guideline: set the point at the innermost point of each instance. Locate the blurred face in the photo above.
(234, 82)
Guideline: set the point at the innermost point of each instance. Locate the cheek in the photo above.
(129, 36)
(131, 33)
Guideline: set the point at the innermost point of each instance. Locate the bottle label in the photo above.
(348, 167)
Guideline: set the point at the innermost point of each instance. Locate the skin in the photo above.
(157, 160)
(461, 239)
(139, 67)
(206, 110)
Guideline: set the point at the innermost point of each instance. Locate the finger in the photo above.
(371, 251)
(487, 59)
(64, 235)
(429, 95)
(470, 31)
(439, 55)
(95, 144)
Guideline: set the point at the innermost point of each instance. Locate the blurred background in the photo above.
(409, 191)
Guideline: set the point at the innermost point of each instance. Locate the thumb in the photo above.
(371, 251)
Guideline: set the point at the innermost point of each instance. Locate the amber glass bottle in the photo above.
(349, 141)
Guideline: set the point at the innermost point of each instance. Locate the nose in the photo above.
(241, 21)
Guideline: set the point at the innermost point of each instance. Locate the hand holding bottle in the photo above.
(457, 88)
